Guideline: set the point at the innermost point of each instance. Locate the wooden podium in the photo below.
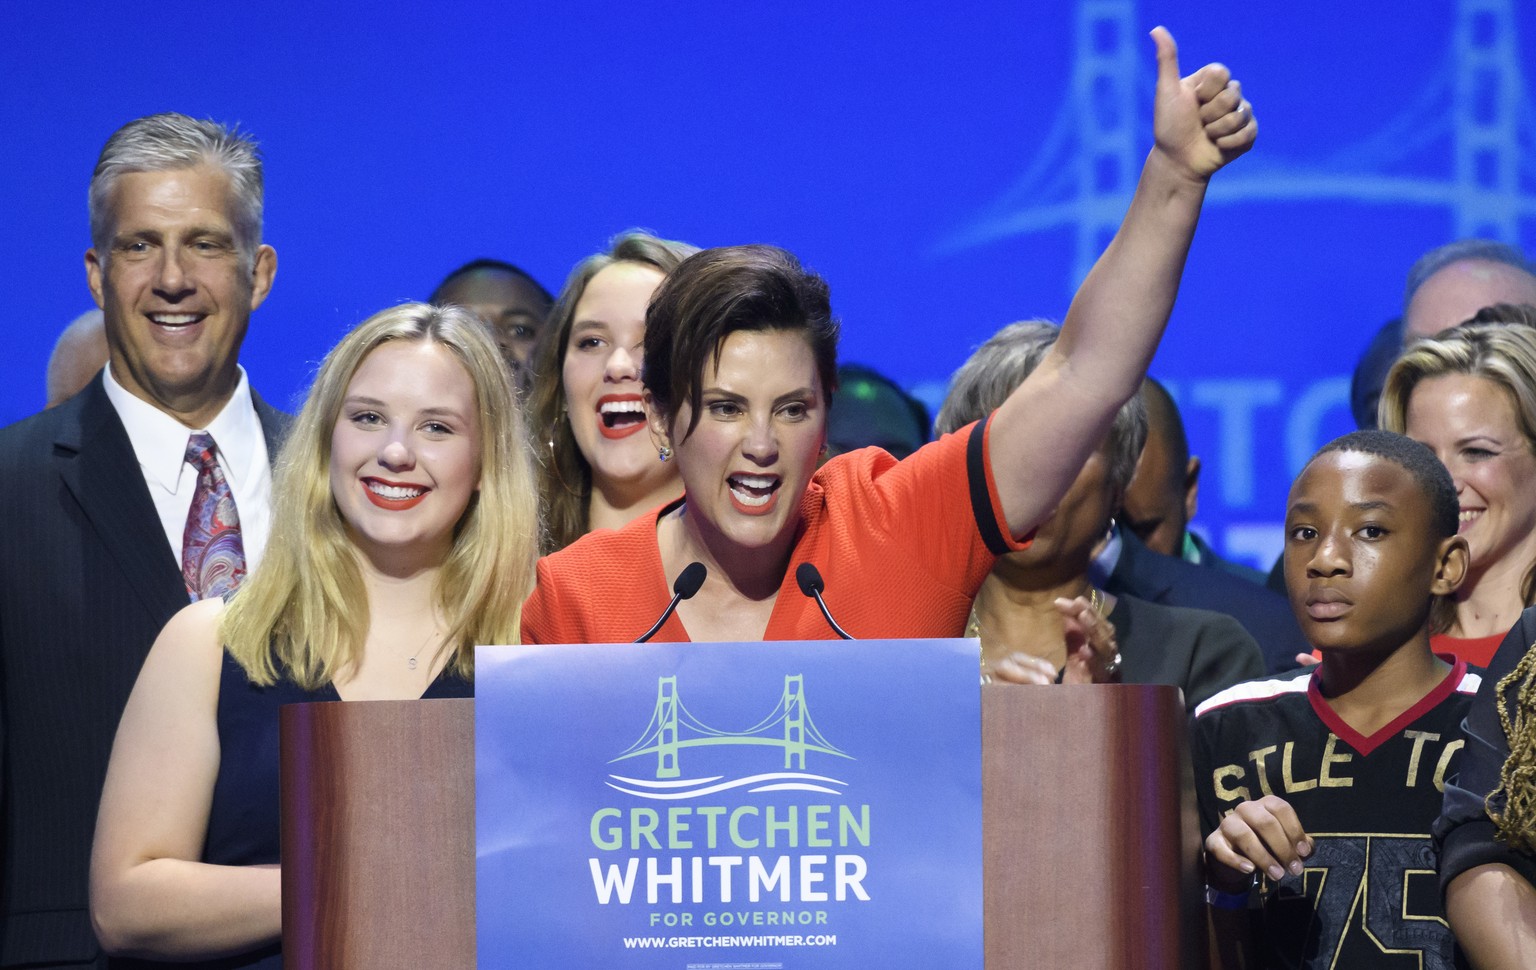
(378, 829)
(1090, 835)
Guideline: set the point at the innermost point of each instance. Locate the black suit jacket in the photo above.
(1201, 652)
(1210, 559)
(86, 582)
(1266, 616)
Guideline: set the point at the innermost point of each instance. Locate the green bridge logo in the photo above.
(673, 728)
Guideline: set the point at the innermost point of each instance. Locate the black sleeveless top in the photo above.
(243, 827)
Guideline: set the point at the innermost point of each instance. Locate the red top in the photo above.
(902, 546)
(1477, 651)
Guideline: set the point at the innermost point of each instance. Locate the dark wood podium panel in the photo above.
(378, 834)
(1091, 835)
(1091, 839)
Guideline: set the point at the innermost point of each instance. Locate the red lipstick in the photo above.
(393, 504)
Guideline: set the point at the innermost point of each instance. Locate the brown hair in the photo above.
(565, 477)
(1521, 313)
(718, 292)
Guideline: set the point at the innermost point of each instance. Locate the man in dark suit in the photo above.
(1165, 490)
(1126, 566)
(101, 489)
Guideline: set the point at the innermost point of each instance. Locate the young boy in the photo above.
(1317, 788)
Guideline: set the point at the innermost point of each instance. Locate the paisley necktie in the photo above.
(212, 554)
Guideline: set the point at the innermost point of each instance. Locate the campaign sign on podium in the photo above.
(729, 805)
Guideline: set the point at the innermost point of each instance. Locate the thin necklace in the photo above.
(411, 662)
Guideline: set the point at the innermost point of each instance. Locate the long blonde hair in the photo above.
(303, 613)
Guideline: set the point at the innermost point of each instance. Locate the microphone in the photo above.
(688, 583)
(809, 579)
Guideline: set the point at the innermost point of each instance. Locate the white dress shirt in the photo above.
(160, 443)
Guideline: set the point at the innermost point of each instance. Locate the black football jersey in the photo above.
(1368, 896)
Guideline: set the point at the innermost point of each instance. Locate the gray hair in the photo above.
(1463, 251)
(170, 141)
(1001, 364)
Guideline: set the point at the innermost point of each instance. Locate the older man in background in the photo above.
(148, 489)
(1445, 287)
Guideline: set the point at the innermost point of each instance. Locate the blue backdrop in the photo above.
(929, 160)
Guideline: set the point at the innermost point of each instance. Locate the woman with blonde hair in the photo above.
(1469, 393)
(404, 533)
(599, 469)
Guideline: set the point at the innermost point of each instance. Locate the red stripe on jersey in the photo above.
(1365, 745)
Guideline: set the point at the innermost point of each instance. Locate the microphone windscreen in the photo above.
(689, 580)
(809, 579)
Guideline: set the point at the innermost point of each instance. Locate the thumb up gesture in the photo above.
(1200, 122)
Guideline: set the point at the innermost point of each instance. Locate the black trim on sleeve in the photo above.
(981, 499)
(1474, 844)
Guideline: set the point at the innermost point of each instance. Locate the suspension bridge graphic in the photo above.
(1474, 113)
(673, 728)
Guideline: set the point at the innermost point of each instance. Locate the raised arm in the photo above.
(1042, 434)
(150, 894)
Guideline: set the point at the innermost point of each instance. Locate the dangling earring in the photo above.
(664, 453)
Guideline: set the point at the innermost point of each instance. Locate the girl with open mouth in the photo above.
(587, 410)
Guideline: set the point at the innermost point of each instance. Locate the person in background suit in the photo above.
(1452, 282)
(872, 409)
(1165, 490)
(1445, 286)
(1365, 386)
(1123, 565)
(147, 489)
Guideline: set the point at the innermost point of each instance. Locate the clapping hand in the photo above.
(1093, 655)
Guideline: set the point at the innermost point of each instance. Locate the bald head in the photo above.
(80, 352)
(1161, 498)
(1448, 285)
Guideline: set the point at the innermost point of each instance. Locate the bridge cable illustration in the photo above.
(1473, 113)
(673, 727)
